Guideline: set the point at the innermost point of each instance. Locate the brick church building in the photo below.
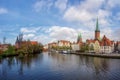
(98, 44)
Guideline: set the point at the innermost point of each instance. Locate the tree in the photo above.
(28, 48)
(10, 50)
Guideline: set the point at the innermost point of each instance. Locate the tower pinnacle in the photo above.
(97, 31)
(79, 38)
(97, 26)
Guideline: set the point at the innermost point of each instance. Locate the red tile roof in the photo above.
(106, 42)
(34, 42)
(64, 41)
(90, 41)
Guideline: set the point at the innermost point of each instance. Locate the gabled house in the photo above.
(4, 47)
(64, 43)
(51, 45)
(107, 46)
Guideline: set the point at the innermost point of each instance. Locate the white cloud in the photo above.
(116, 34)
(55, 33)
(67, 33)
(30, 29)
(87, 12)
(43, 4)
(91, 5)
(47, 4)
(28, 36)
(44, 39)
(61, 4)
(74, 14)
(39, 5)
(3, 11)
(108, 32)
(112, 3)
(103, 13)
(117, 17)
(35, 33)
(84, 14)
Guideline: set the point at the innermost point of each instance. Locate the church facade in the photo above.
(99, 45)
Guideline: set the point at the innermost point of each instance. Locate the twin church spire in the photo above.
(97, 33)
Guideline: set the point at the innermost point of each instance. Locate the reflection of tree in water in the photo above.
(0, 61)
(10, 63)
(96, 66)
(57, 57)
(4, 68)
(27, 61)
(86, 61)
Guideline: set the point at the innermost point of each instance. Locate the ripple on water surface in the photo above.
(54, 66)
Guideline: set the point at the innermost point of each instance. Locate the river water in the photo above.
(54, 66)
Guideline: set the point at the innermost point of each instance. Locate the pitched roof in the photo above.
(90, 41)
(33, 42)
(64, 41)
(106, 42)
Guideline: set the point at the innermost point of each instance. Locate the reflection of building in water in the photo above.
(101, 66)
(64, 61)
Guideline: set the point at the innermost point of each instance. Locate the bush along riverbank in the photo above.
(24, 50)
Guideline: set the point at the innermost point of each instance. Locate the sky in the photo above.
(52, 20)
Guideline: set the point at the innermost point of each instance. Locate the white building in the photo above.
(64, 43)
(75, 47)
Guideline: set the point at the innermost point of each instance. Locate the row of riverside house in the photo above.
(96, 45)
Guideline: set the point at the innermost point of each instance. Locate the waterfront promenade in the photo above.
(112, 55)
(104, 55)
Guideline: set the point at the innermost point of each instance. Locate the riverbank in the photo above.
(113, 55)
(8, 55)
(4, 55)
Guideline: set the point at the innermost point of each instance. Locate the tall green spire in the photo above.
(79, 35)
(97, 26)
(79, 38)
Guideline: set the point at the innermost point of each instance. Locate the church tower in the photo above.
(97, 31)
(79, 39)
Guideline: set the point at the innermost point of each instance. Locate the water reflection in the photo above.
(53, 66)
